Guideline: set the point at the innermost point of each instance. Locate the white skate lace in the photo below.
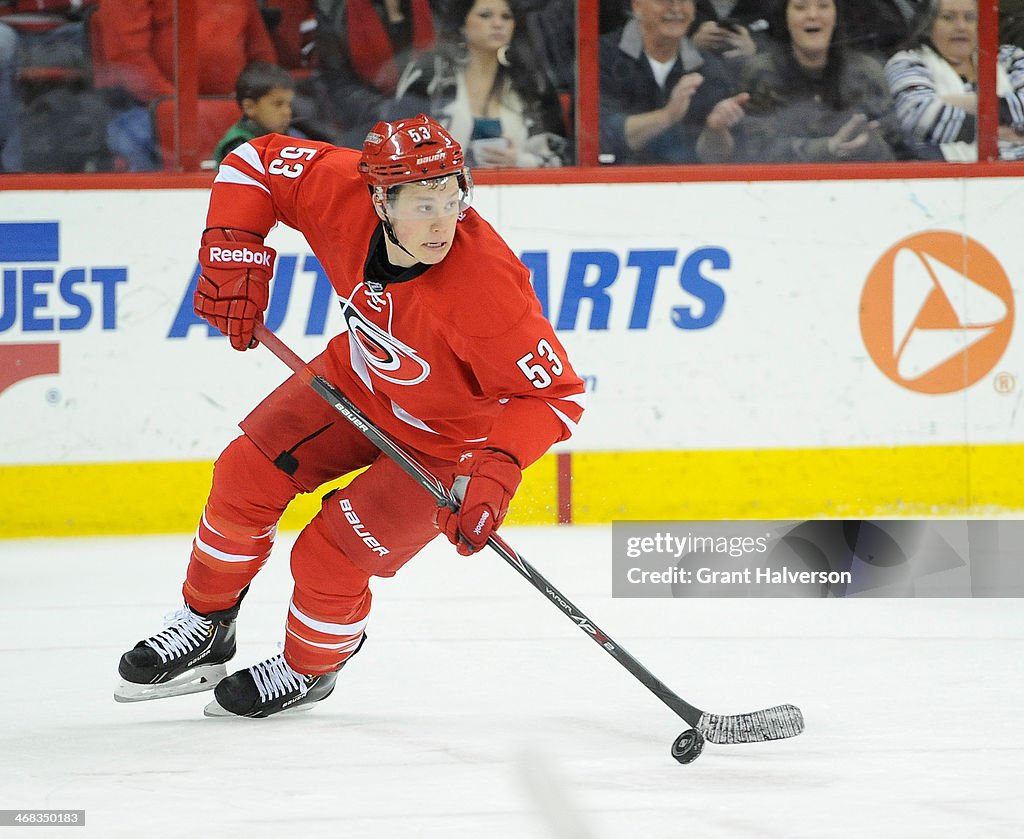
(184, 633)
(274, 678)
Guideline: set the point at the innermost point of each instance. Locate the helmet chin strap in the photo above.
(382, 214)
(394, 240)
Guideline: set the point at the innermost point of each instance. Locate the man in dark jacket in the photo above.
(657, 88)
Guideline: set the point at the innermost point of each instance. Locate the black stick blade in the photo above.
(776, 723)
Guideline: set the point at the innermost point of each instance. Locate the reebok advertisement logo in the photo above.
(936, 312)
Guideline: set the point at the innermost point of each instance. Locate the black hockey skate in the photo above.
(269, 687)
(187, 656)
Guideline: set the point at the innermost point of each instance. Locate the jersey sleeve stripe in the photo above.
(576, 398)
(568, 423)
(230, 175)
(250, 156)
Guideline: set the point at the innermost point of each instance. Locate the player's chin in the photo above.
(431, 253)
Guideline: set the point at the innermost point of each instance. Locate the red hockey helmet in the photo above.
(416, 149)
(411, 150)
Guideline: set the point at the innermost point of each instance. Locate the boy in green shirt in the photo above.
(264, 92)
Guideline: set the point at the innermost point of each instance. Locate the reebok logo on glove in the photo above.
(485, 481)
(481, 524)
(233, 288)
(240, 255)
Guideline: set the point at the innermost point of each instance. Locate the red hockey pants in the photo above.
(294, 442)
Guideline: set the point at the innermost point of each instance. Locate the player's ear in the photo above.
(379, 197)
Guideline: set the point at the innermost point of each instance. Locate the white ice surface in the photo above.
(477, 710)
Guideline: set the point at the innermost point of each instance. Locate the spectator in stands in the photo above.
(733, 29)
(1011, 22)
(264, 93)
(10, 140)
(551, 28)
(363, 46)
(551, 25)
(657, 89)
(611, 14)
(133, 43)
(486, 86)
(935, 85)
(812, 99)
(292, 25)
(879, 27)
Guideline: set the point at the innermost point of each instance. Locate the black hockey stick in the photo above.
(774, 723)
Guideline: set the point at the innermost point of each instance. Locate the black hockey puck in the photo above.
(688, 746)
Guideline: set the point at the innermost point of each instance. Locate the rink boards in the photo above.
(766, 350)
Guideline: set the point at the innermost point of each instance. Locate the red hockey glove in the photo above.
(234, 286)
(484, 484)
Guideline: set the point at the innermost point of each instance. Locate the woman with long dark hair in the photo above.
(811, 98)
(483, 83)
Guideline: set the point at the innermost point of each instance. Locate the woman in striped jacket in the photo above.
(935, 81)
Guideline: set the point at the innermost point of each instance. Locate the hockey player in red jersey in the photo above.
(446, 350)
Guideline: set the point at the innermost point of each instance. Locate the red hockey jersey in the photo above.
(458, 358)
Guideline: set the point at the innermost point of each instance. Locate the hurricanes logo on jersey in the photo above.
(383, 353)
